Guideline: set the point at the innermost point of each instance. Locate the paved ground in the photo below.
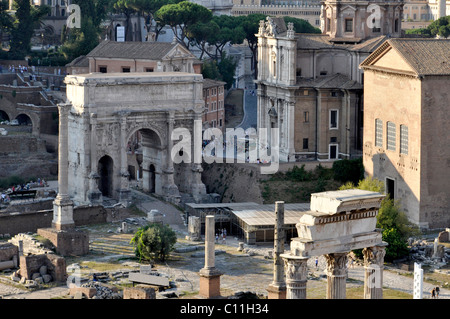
(241, 272)
(250, 109)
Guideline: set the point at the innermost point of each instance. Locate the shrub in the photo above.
(154, 242)
(348, 170)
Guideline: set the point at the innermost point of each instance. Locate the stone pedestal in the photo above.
(336, 275)
(209, 283)
(62, 213)
(373, 271)
(276, 292)
(296, 270)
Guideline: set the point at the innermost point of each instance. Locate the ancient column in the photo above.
(209, 275)
(95, 196)
(277, 289)
(337, 275)
(197, 187)
(373, 275)
(169, 188)
(124, 192)
(63, 205)
(296, 270)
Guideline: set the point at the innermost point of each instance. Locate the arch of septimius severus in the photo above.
(104, 110)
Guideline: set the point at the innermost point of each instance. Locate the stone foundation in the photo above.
(56, 266)
(67, 242)
(276, 292)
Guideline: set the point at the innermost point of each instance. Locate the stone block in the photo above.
(139, 292)
(87, 291)
(68, 242)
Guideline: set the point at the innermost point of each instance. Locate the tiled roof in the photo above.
(207, 83)
(321, 41)
(131, 50)
(425, 56)
(81, 61)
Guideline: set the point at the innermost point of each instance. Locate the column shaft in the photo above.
(373, 276)
(209, 242)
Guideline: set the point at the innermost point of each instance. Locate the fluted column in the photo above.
(94, 195)
(296, 270)
(63, 205)
(337, 275)
(169, 188)
(373, 271)
(124, 191)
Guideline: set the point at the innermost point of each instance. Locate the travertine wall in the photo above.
(396, 99)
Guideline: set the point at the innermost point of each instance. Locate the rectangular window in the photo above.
(148, 69)
(328, 24)
(378, 133)
(404, 139)
(102, 69)
(348, 25)
(305, 143)
(125, 69)
(334, 119)
(390, 136)
(306, 117)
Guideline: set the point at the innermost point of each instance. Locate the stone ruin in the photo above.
(30, 263)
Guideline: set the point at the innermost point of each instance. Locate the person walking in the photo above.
(433, 293)
(437, 291)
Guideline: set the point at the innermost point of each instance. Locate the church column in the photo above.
(63, 205)
(337, 275)
(124, 192)
(373, 271)
(296, 270)
(94, 195)
(290, 124)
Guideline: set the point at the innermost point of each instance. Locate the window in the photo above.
(378, 133)
(390, 187)
(148, 69)
(328, 24)
(333, 139)
(323, 73)
(126, 69)
(102, 69)
(305, 143)
(333, 119)
(306, 117)
(220, 122)
(404, 139)
(396, 25)
(348, 25)
(390, 136)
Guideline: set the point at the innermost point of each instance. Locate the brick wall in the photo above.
(56, 266)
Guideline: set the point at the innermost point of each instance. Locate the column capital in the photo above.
(337, 264)
(374, 255)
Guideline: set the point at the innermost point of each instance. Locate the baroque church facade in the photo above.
(310, 86)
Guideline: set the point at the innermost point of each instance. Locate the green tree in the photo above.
(81, 41)
(154, 242)
(440, 27)
(181, 17)
(6, 20)
(27, 18)
(301, 26)
(348, 170)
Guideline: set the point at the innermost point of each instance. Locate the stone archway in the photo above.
(106, 175)
(4, 116)
(105, 110)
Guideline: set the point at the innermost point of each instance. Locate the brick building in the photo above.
(214, 96)
(406, 122)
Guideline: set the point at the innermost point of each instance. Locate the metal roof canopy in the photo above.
(264, 215)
